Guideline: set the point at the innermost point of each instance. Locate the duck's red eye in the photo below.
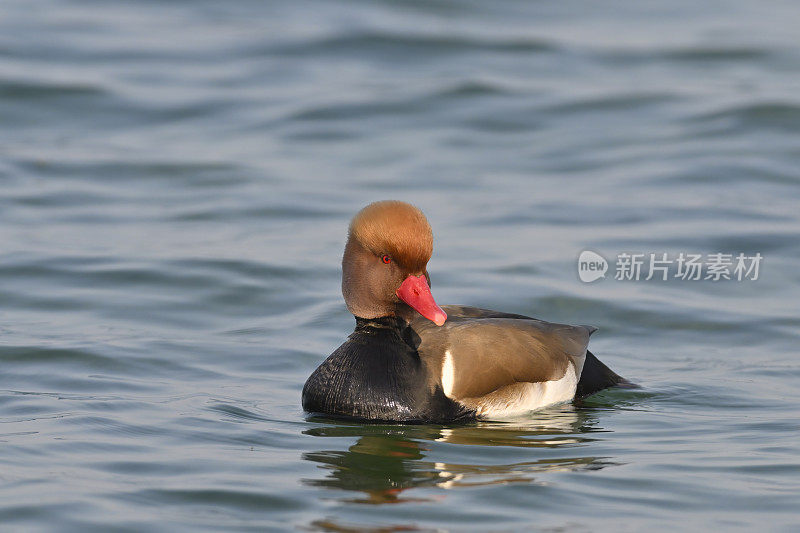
(386, 259)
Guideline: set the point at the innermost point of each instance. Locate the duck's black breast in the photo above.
(378, 375)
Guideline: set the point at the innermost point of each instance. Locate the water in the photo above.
(175, 183)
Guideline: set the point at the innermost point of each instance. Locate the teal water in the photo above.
(176, 180)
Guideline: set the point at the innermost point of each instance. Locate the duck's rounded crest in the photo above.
(397, 229)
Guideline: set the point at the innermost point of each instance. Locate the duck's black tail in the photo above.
(596, 376)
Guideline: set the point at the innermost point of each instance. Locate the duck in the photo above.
(410, 360)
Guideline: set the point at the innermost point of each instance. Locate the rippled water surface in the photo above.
(176, 180)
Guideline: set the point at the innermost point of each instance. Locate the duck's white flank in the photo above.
(519, 398)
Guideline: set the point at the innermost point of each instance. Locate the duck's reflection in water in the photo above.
(387, 460)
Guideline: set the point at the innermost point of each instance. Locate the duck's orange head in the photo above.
(384, 268)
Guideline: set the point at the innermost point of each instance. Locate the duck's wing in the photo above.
(478, 353)
(465, 311)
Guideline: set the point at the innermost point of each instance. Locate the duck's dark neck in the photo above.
(393, 328)
(381, 323)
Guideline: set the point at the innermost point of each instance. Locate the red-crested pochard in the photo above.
(410, 360)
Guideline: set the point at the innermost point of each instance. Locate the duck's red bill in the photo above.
(415, 292)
